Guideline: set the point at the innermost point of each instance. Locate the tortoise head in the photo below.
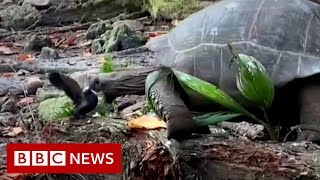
(105, 84)
(118, 83)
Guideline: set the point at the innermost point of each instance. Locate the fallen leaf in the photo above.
(26, 57)
(7, 74)
(15, 131)
(13, 176)
(147, 122)
(80, 33)
(70, 41)
(25, 101)
(175, 22)
(155, 34)
(83, 44)
(4, 50)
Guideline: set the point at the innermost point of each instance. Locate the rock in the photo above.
(9, 105)
(10, 85)
(39, 4)
(134, 25)
(72, 62)
(8, 119)
(32, 84)
(96, 29)
(96, 46)
(5, 3)
(84, 77)
(126, 104)
(36, 42)
(120, 37)
(53, 109)
(49, 53)
(18, 17)
(3, 30)
(42, 94)
(23, 72)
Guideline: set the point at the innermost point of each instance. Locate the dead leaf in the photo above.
(147, 122)
(13, 176)
(70, 41)
(83, 44)
(4, 50)
(175, 22)
(26, 57)
(155, 34)
(7, 74)
(25, 101)
(15, 131)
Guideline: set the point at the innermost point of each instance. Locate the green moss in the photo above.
(54, 109)
(175, 9)
(120, 37)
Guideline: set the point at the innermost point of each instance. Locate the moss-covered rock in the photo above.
(119, 37)
(42, 94)
(54, 109)
(96, 29)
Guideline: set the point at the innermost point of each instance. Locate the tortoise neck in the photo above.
(129, 81)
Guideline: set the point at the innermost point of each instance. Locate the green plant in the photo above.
(253, 82)
(66, 111)
(107, 64)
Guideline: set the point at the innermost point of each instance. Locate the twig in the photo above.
(25, 95)
(41, 32)
(287, 135)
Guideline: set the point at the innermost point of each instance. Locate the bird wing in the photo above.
(68, 85)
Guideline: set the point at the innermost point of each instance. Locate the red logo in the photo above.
(64, 158)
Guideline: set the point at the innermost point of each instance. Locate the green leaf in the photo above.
(253, 81)
(214, 118)
(210, 91)
(107, 64)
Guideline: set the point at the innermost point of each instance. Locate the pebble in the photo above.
(32, 85)
(49, 53)
(7, 119)
(42, 4)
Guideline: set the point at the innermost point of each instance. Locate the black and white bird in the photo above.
(85, 100)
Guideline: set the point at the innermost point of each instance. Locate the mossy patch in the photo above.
(55, 109)
(174, 9)
(42, 94)
(115, 37)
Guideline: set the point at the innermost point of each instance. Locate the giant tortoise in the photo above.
(284, 35)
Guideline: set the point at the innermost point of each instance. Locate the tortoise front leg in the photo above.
(310, 114)
(166, 96)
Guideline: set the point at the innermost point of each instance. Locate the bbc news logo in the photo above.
(64, 158)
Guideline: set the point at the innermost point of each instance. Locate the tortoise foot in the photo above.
(309, 136)
(168, 104)
(310, 114)
(309, 133)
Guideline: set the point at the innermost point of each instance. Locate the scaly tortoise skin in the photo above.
(282, 34)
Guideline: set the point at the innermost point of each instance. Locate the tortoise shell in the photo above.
(284, 35)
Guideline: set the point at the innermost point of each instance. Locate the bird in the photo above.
(85, 100)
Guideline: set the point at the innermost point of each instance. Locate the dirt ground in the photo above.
(19, 121)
